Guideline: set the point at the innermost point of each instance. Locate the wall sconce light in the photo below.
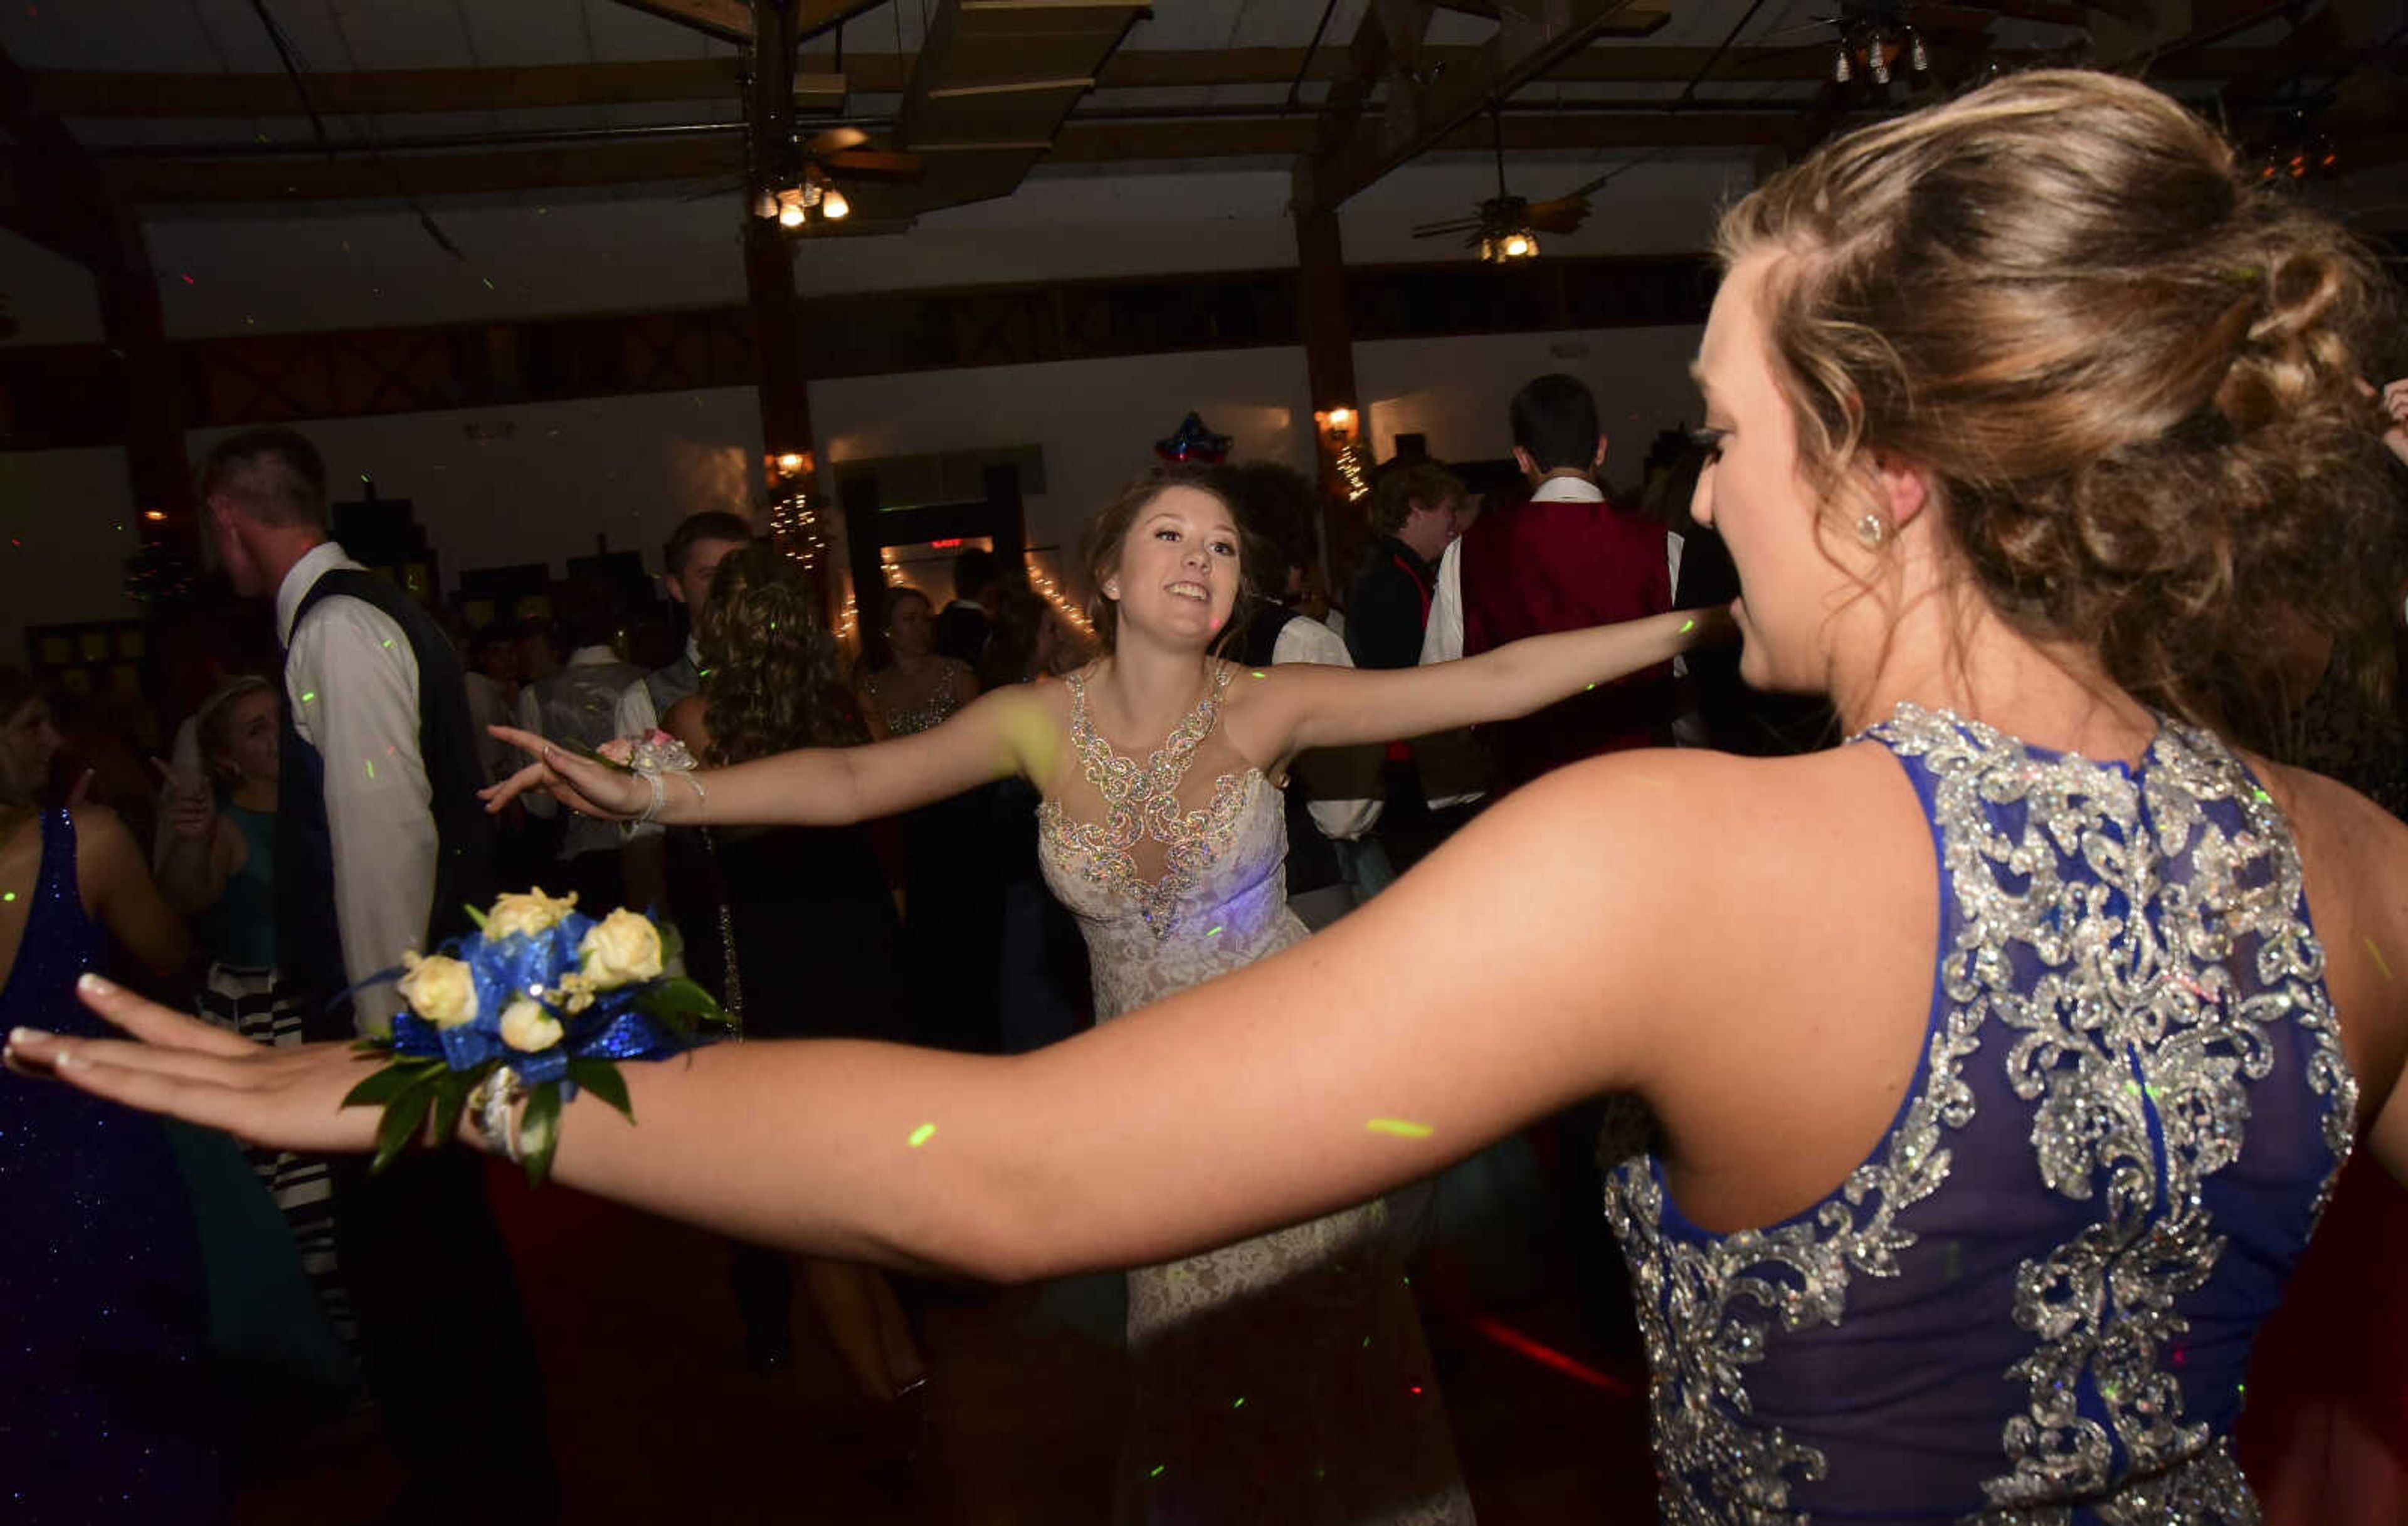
(833, 206)
(156, 515)
(791, 462)
(1338, 424)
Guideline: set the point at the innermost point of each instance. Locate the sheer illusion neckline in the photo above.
(1141, 804)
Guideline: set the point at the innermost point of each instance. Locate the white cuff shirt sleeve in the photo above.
(1311, 641)
(353, 682)
(1442, 637)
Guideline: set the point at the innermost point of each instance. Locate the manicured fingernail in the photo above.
(93, 985)
(25, 1036)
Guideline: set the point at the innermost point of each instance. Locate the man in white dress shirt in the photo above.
(382, 843)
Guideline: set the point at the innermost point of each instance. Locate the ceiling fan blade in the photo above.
(834, 140)
(1564, 215)
(876, 163)
(1950, 18)
(1432, 230)
(716, 188)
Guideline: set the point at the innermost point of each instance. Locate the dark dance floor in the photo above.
(656, 1418)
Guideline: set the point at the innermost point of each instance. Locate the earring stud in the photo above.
(1871, 532)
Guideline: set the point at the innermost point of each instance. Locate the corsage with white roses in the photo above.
(539, 1001)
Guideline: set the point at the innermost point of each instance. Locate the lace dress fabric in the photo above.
(2034, 1301)
(1283, 1378)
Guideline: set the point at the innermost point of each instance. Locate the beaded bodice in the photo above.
(1174, 875)
(906, 707)
(2034, 1301)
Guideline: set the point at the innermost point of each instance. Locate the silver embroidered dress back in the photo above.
(1283, 1378)
(2034, 1301)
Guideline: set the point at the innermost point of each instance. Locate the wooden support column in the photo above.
(1337, 416)
(791, 459)
(156, 465)
(53, 192)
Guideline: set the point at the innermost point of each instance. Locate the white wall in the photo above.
(1096, 420)
(624, 468)
(66, 527)
(1455, 391)
(51, 297)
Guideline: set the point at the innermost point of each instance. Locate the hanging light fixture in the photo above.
(1916, 58)
(1505, 235)
(833, 207)
(1840, 71)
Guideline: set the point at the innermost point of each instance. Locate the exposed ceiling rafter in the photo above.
(731, 21)
(1424, 105)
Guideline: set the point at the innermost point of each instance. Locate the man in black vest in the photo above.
(381, 846)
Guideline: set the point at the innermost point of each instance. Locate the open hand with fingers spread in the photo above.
(290, 1098)
(601, 787)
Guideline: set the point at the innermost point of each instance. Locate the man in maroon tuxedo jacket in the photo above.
(1564, 560)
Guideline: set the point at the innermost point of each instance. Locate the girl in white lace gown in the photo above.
(1283, 1377)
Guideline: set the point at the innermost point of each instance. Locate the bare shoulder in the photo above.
(1737, 856)
(105, 850)
(99, 829)
(688, 721)
(2354, 858)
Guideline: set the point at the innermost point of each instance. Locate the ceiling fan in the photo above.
(809, 184)
(1505, 228)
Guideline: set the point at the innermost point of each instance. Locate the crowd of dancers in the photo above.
(1996, 1065)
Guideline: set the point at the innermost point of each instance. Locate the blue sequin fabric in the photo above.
(106, 1409)
(2033, 1303)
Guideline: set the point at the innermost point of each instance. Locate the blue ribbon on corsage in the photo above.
(555, 1001)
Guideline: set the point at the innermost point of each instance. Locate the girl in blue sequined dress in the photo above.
(110, 1411)
(2001, 1059)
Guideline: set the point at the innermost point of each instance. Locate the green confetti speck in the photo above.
(8, 895)
(310, 697)
(921, 1134)
(371, 767)
(1258, 672)
(489, 283)
(2379, 962)
(1157, 1470)
(1214, 933)
(1688, 625)
(388, 643)
(1590, 687)
(1240, 1403)
(1401, 1128)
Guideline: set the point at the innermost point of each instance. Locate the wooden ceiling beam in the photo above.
(49, 192)
(1425, 106)
(403, 92)
(314, 177)
(731, 21)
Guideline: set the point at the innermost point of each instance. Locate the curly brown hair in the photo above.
(770, 667)
(1399, 485)
(2131, 377)
(1100, 543)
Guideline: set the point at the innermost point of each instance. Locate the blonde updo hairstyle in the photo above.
(2130, 377)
